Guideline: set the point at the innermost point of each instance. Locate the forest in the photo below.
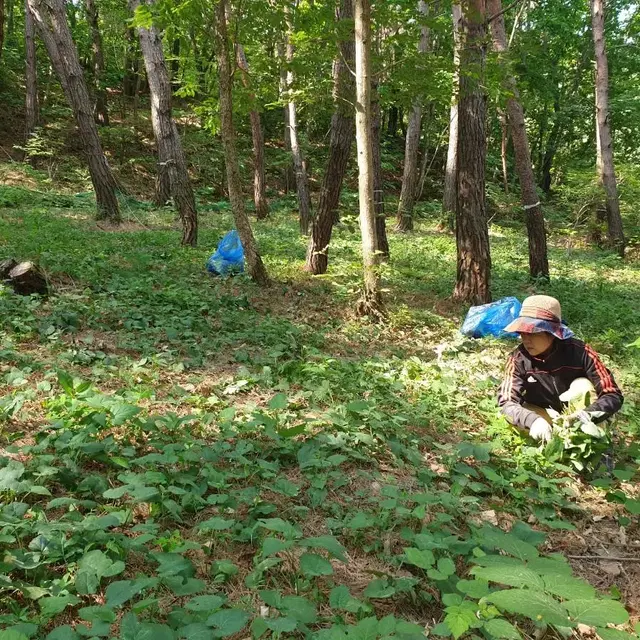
(307, 446)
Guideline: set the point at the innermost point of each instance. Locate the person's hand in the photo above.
(540, 430)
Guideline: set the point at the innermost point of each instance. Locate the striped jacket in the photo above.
(540, 381)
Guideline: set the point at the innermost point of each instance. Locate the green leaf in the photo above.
(216, 524)
(65, 632)
(94, 566)
(271, 546)
(422, 558)
(184, 586)
(329, 544)
(358, 406)
(173, 564)
(615, 634)
(547, 566)
(53, 606)
(228, 621)
(511, 576)
(568, 587)
(441, 630)
(340, 598)
(537, 606)
(196, 631)
(312, 564)
(495, 538)
(379, 588)
(205, 603)
(597, 613)
(280, 526)
(501, 628)
(459, 620)
(122, 591)
(299, 608)
(122, 412)
(633, 507)
(281, 624)
(10, 634)
(473, 588)
(279, 401)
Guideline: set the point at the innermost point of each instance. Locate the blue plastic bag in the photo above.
(491, 319)
(229, 256)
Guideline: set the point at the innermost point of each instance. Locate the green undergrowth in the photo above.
(189, 457)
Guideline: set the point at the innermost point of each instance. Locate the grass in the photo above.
(186, 456)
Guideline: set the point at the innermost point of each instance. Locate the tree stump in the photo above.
(5, 268)
(26, 278)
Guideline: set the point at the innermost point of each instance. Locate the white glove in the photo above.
(540, 430)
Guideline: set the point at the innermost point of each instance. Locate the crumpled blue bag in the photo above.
(491, 319)
(228, 257)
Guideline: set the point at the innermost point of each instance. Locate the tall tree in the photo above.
(257, 135)
(31, 79)
(101, 112)
(404, 220)
(342, 130)
(171, 158)
(50, 17)
(1, 27)
(472, 233)
(255, 266)
(288, 170)
(371, 302)
(606, 168)
(302, 179)
(449, 198)
(538, 260)
(382, 242)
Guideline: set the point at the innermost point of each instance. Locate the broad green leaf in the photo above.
(459, 620)
(216, 524)
(228, 621)
(312, 564)
(568, 587)
(94, 566)
(279, 401)
(597, 613)
(271, 546)
(184, 586)
(633, 507)
(441, 629)
(173, 564)
(10, 634)
(495, 538)
(281, 526)
(379, 588)
(547, 566)
(535, 605)
(340, 598)
(501, 628)
(328, 543)
(122, 412)
(299, 608)
(196, 631)
(615, 634)
(511, 576)
(53, 606)
(366, 629)
(473, 588)
(64, 632)
(422, 558)
(122, 591)
(281, 624)
(205, 603)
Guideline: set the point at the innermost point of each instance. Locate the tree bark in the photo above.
(302, 180)
(504, 130)
(172, 161)
(255, 266)
(1, 27)
(538, 260)
(31, 78)
(371, 302)
(132, 66)
(472, 233)
(51, 18)
(382, 242)
(342, 131)
(607, 172)
(392, 122)
(257, 135)
(449, 199)
(289, 175)
(101, 112)
(404, 218)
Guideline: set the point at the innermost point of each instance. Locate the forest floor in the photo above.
(206, 454)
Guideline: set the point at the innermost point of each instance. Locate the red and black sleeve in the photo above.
(610, 397)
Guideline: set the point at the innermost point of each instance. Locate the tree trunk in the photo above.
(302, 180)
(504, 130)
(172, 161)
(472, 233)
(175, 65)
(26, 278)
(1, 26)
(255, 266)
(259, 186)
(538, 260)
(382, 242)
(551, 148)
(371, 302)
(31, 79)
(101, 113)
(607, 169)
(342, 130)
(289, 175)
(404, 219)
(449, 198)
(51, 18)
(131, 64)
(392, 122)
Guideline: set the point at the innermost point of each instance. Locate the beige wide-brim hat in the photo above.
(540, 314)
